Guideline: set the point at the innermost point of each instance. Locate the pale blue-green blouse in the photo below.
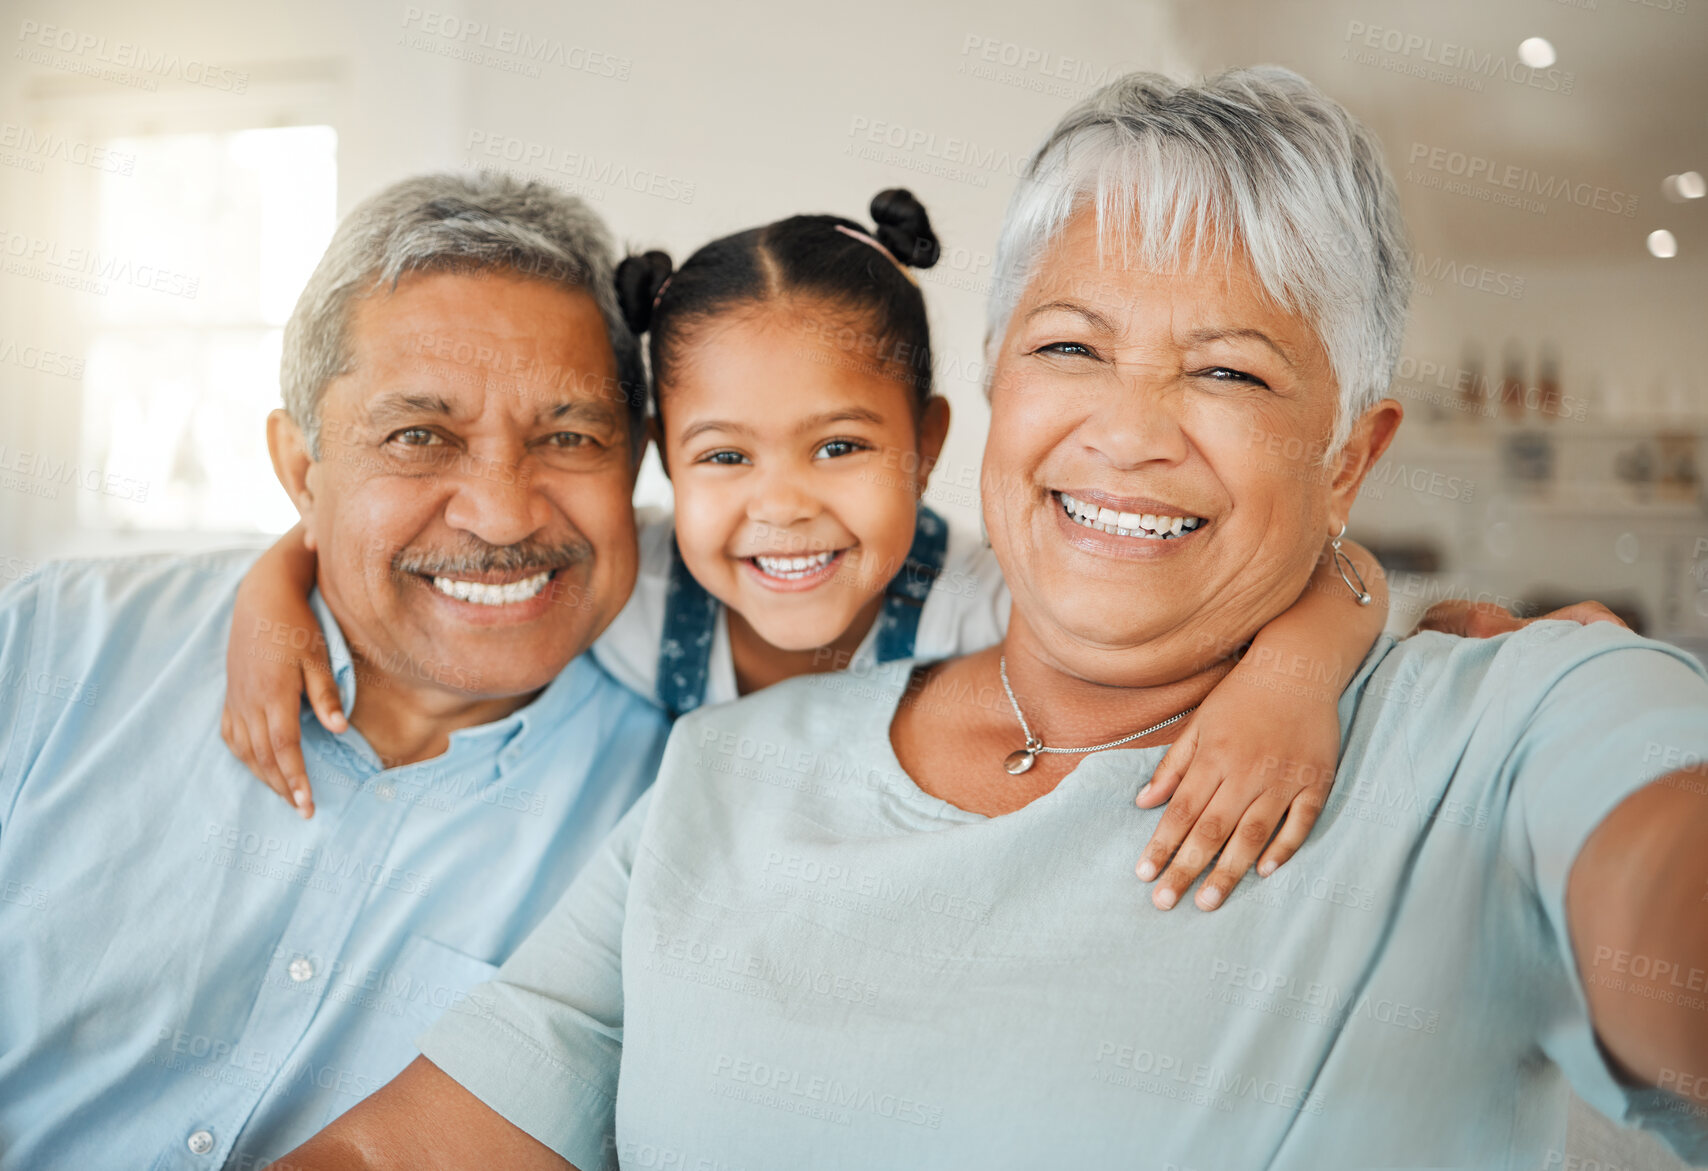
(789, 956)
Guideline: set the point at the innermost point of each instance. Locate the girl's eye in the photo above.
(1224, 374)
(722, 456)
(414, 437)
(831, 448)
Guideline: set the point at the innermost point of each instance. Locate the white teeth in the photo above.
(1127, 524)
(790, 568)
(488, 594)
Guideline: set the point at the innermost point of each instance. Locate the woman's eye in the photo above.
(1225, 374)
(832, 448)
(1069, 349)
(724, 456)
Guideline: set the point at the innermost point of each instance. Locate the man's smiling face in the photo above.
(471, 499)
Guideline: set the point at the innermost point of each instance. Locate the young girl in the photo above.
(793, 411)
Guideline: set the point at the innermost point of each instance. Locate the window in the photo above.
(205, 246)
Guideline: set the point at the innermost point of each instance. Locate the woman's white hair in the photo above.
(485, 222)
(1255, 159)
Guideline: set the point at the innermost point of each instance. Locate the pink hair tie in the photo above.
(659, 296)
(874, 242)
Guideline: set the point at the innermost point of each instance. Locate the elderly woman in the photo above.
(891, 921)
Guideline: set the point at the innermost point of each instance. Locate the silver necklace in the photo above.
(1021, 759)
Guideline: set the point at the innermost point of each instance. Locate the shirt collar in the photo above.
(337, 650)
(516, 731)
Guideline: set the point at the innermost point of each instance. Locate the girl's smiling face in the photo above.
(797, 468)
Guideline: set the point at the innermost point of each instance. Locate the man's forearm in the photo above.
(1639, 926)
(421, 1120)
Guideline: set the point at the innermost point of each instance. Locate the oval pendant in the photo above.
(1019, 761)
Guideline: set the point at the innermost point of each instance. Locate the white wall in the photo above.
(721, 121)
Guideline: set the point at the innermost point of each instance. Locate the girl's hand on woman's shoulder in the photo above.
(1247, 763)
(1250, 774)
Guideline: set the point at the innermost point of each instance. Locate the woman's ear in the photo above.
(291, 460)
(933, 430)
(1369, 439)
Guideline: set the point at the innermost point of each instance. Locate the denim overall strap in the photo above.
(685, 650)
(904, 597)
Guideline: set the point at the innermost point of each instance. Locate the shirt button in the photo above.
(301, 970)
(201, 1142)
(384, 792)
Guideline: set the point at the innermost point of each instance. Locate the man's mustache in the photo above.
(473, 556)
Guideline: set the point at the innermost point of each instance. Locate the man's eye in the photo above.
(568, 439)
(414, 437)
(831, 448)
(1225, 374)
(722, 456)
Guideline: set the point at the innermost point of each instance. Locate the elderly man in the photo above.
(905, 933)
(191, 976)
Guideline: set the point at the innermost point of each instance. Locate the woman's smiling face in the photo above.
(1137, 483)
(797, 467)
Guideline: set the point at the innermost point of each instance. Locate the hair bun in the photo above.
(904, 228)
(639, 280)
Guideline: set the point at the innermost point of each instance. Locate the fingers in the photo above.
(1171, 829)
(1485, 620)
(1209, 830)
(1254, 830)
(242, 747)
(1170, 770)
(1586, 613)
(1302, 814)
(323, 697)
(1469, 619)
(266, 765)
(286, 742)
(1445, 617)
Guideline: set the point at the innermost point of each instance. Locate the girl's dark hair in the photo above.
(876, 310)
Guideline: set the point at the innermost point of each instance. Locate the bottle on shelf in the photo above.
(1548, 383)
(1473, 388)
(1512, 383)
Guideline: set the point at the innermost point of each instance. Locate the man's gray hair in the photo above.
(1255, 158)
(486, 222)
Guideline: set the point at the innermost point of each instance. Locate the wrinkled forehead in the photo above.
(464, 347)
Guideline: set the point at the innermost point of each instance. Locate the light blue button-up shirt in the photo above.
(191, 976)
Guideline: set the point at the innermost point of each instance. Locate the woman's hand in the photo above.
(276, 652)
(1245, 764)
